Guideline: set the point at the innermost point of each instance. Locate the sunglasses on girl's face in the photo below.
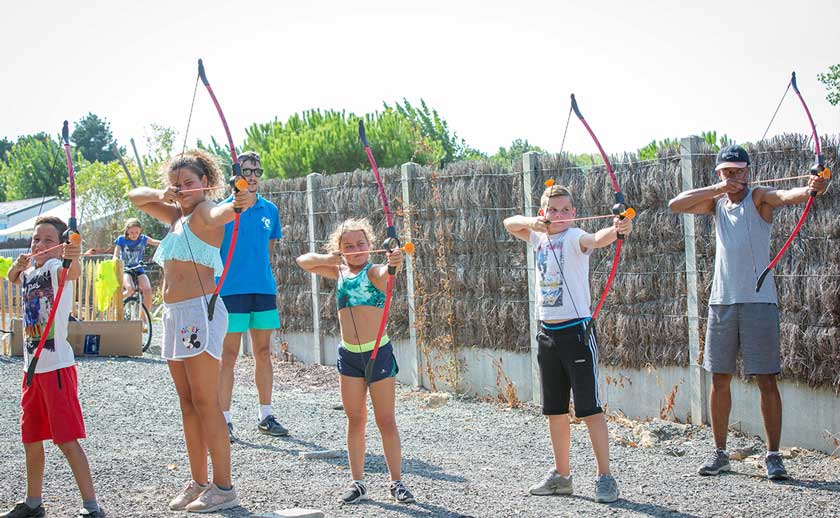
(247, 171)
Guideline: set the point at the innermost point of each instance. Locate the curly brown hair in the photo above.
(333, 243)
(202, 164)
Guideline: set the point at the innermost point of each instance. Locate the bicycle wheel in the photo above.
(133, 309)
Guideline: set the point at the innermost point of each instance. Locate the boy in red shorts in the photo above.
(50, 404)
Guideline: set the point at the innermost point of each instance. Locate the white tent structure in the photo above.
(25, 228)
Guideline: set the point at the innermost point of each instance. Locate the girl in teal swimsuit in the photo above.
(192, 343)
(360, 300)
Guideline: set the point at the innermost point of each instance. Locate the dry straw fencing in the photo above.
(84, 299)
(467, 285)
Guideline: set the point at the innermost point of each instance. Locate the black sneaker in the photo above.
(21, 510)
(355, 493)
(233, 438)
(270, 426)
(776, 468)
(400, 493)
(99, 513)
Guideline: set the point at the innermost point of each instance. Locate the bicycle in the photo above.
(134, 309)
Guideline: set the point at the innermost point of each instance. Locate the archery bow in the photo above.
(391, 242)
(619, 209)
(71, 235)
(818, 169)
(236, 185)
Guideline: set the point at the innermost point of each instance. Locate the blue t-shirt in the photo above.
(132, 250)
(250, 268)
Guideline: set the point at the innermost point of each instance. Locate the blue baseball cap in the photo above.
(732, 156)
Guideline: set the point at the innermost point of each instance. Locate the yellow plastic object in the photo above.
(106, 283)
(5, 265)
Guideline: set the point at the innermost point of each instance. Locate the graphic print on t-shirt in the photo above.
(132, 251)
(552, 289)
(37, 297)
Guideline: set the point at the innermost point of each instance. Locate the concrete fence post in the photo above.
(313, 185)
(408, 174)
(530, 164)
(689, 147)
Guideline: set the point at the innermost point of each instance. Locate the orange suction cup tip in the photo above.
(630, 213)
(549, 182)
(408, 248)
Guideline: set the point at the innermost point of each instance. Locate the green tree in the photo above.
(221, 151)
(328, 141)
(517, 148)
(161, 142)
(652, 150)
(92, 137)
(5, 145)
(433, 127)
(711, 138)
(831, 81)
(33, 168)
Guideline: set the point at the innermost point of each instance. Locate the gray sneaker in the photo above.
(606, 489)
(271, 426)
(716, 462)
(552, 484)
(776, 468)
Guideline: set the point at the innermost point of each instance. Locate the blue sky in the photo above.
(495, 70)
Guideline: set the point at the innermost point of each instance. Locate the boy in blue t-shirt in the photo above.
(250, 296)
(129, 248)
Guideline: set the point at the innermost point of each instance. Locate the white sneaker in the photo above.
(190, 492)
(213, 499)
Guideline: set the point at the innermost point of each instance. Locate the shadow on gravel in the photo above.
(419, 509)
(307, 445)
(818, 485)
(641, 508)
(374, 463)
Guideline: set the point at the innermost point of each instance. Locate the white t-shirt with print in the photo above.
(566, 296)
(38, 289)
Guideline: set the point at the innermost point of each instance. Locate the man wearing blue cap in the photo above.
(741, 318)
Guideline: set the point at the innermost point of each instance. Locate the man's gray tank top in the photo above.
(741, 248)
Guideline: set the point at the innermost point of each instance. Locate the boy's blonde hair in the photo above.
(553, 192)
(333, 243)
(131, 223)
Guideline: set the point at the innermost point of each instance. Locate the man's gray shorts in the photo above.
(752, 328)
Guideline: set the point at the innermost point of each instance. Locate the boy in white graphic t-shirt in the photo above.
(568, 356)
(50, 404)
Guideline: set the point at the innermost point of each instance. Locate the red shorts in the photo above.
(51, 407)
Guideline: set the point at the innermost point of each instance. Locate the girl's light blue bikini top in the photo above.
(183, 245)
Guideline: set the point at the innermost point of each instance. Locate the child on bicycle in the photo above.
(360, 300)
(192, 342)
(50, 404)
(129, 248)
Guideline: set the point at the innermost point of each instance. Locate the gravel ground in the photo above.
(466, 458)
